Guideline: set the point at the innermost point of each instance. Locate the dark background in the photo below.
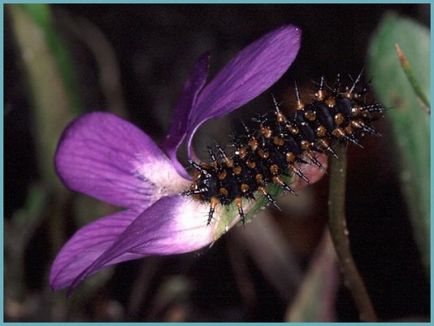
(155, 46)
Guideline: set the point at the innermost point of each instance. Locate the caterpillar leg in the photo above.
(195, 192)
(298, 173)
(199, 168)
(312, 158)
(281, 183)
(238, 202)
(269, 198)
(213, 203)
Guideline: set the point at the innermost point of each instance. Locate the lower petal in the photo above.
(86, 245)
(172, 225)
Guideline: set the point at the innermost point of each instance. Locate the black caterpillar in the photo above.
(271, 150)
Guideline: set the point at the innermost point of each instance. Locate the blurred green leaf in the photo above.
(315, 300)
(42, 57)
(408, 70)
(410, 122)
(41, 15)
(19, 232)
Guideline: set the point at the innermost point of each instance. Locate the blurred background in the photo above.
(65, 60)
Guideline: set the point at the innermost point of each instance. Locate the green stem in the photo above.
(339, 233)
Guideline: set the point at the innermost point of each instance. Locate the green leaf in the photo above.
(410, 122)
(41, 15)
(47, 72)
(315, 300)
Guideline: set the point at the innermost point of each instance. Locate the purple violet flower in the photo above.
(110, 159)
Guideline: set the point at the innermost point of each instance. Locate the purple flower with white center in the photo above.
(110, 159)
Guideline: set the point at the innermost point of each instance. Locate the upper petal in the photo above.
(108, 158)
(185, 103)
(86, 245)
(172, 225)
(251, 72)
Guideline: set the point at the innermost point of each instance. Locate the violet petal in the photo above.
(186, 101)
(86, 245)
(172, 225)
(109, 158)
(252, 71)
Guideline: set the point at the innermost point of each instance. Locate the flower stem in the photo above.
(339, 233)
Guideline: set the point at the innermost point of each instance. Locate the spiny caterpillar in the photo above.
(274, 148)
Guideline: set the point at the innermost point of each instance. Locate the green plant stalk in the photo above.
(339, 234)
(409, 122)
(406, 67)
